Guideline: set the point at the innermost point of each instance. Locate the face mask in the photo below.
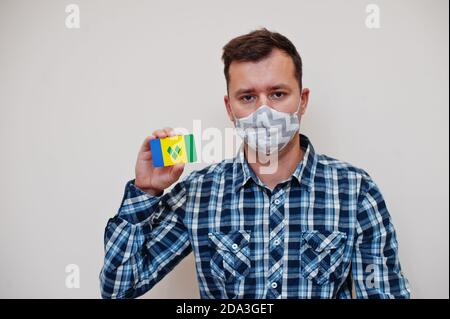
(267, 130)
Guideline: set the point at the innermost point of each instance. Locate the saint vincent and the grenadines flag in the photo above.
(173, 150)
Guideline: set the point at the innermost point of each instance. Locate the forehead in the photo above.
(277, 67)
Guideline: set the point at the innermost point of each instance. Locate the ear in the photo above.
(305, 99)
(226, 100)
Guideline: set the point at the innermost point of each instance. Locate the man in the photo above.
(315, 227)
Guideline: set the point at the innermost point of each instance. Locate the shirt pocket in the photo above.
(230, 254)
(321, 255)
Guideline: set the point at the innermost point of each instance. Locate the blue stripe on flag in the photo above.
(155, 147)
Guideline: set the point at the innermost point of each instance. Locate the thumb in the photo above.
(176, 171)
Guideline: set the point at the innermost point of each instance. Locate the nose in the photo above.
(264, 100)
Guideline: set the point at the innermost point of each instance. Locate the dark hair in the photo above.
(256, 46)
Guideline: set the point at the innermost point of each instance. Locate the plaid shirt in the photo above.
(312, 236)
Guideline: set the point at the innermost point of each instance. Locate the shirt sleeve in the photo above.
(376, 267)
(143, 242)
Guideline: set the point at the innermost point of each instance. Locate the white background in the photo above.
(75, 105)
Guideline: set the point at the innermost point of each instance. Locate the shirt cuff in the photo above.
(137, 205)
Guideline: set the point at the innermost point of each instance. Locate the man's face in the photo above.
(270, 81)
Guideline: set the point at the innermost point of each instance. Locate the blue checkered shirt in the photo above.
(322, 233)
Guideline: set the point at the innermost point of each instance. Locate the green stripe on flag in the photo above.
(190, 148)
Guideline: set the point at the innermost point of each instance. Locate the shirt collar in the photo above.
(304, 172)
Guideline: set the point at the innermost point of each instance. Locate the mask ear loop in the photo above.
(235, 119)
(232, 113)
(299, 105)
(299, 118)
(240, 118)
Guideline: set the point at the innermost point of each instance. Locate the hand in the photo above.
(150, 179)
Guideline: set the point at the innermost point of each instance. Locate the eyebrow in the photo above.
(272, 88)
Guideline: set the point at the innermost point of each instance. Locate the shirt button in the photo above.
(277, 201)
(276, 242)
(274, 285)
(234, 246)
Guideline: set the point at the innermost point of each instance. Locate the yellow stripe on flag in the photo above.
(173, 150)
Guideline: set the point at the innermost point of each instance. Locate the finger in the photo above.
(160, 133)
(176, 171)
(169, 131)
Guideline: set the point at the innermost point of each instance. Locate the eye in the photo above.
(247, 98)
(278, 95)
